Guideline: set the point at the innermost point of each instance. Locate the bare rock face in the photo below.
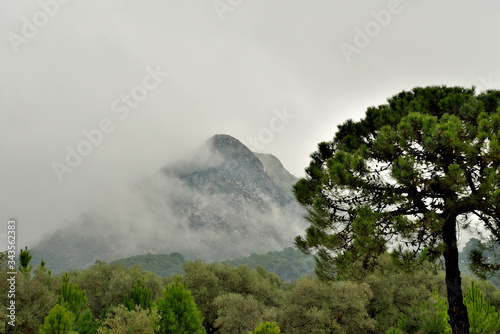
(280, 176)
(220, 202)
(231, 169)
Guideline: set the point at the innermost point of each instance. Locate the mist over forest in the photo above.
(232, 166)
(217, 203)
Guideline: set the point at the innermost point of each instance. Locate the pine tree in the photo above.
(410, 172)
(24, 260)
(59, 321)
(178, 311)
(483, 317)
(139, 296)
(428, 317)
(75, 301)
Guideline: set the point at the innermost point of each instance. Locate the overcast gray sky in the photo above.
(285, 73)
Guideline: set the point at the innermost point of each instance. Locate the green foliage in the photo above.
(24, 261)
(178, 311)
(313, 306)
(107, 285)
(289, 264)
(409, 172)
(267, 328)
(238, 299)
(483, 259)
(42, 267)
(139, 296)
(137, 321)
(163, 265)
(482, 316)
(59, 321)
(208, 281)
(396, 290)
(488, 289)
(236, 313)
(466, 264)
(75, 301)
(36, 295)
(70, 296)
(429, 317)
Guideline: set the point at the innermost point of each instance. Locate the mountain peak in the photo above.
(221, 201)
(224, 139)
(231, 148)
(217, 152)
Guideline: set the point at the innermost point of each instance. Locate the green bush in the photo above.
(267, 328)
(120, 320)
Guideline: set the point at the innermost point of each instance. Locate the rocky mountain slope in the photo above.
(221, 202)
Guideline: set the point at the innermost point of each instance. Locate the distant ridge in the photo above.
(289, 264)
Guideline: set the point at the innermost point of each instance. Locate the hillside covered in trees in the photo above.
(289, 264)
(221, 298)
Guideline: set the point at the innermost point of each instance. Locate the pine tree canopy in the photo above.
(408, 173)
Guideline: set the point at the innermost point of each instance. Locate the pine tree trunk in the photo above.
(459, 320)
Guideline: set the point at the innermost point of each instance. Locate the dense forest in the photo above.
(289, 264)
(222, 298)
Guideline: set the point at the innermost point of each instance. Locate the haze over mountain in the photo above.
(220, 202)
